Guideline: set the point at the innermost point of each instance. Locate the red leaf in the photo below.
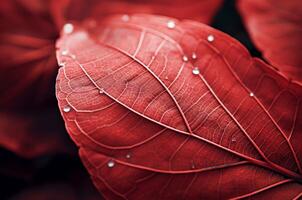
(150, 125)
(275, 28)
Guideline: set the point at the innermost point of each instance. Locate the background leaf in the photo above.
(275, 28)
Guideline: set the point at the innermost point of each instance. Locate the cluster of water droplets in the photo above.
(68, 28)
(171, 25)
(111, 163)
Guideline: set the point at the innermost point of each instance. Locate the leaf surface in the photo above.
(178, 112)
(276, 29)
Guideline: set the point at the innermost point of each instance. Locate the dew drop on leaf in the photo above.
(195, 71)
(72, 56)
(251, 94)
(101, 91)
(210, 38)
(128, 156)
(185, 58)
(111, 164)
(65, 52)
(171, 24)
(68, 28)
(66, 109)
(194, 56)
(193, 165)
(125, 18)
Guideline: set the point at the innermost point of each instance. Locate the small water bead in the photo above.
(194, 56)
(66, 109)
(68, 28)
(166, 77)
(234, 139)
(72, 56)
(185, 58)
(195, 71)
(101, 91)
(193, 165)
(252, 94)
(210, 38)
(171, 24)
(61, 64)
(65, 52)
(111, 163)
(128, 156)
(125, 18)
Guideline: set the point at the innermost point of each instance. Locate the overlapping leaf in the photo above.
(201, 10)
(275, 27)
(166, 109)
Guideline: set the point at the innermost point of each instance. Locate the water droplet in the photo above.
(125, 18)
(210, 38)
(101, 91)
(65, 52)
(195, 71)
(171, 24)
(72, 56)
(166, 77)
(66, 109)
(128, 156)
(185, 58)
(193, 165)
(61, 64)
(252, 94)
(68, 28)
(110, 163)
(234, 139)
(194, 56)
